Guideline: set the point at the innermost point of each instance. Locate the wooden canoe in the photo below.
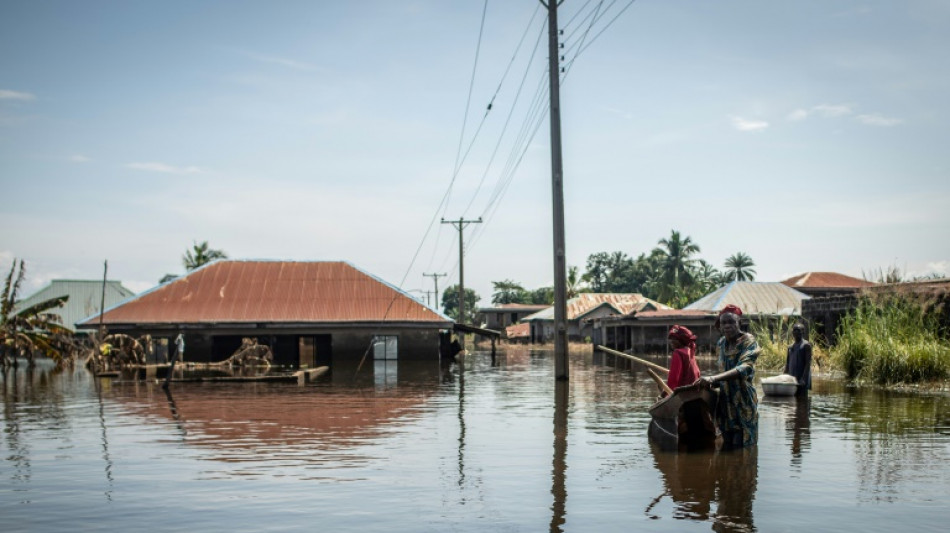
(685, 419)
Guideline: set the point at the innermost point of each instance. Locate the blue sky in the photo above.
(809, 135)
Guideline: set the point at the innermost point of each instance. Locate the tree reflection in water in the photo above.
(695, 481)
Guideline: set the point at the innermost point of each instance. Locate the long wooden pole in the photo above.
(660, 383)
(644, 362)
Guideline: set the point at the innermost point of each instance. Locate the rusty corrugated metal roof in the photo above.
(829, 280)
(271, 291)
(586, 302)
(753, 297)
(517, 331)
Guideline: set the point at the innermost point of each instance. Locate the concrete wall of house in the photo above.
(350, 343)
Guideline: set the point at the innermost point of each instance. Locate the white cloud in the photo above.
(832, 110)
(6, 94)
(619, 112)
(79, 158)
(742, 124)
(821, 110)
(282, 61)
(874, 119)
(162, 167)
(798, 114)
(941, 268)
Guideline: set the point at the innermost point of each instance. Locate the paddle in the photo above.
(644, 362)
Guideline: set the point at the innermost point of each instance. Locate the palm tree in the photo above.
(707, 277)
(676, 264)
(739, 268)
(32, 329)
(201, 254)
(575, 284)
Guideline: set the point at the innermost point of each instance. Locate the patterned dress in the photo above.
(737, 410)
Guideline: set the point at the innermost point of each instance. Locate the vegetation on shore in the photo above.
(893, 339)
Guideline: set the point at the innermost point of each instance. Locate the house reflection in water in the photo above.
(278, 424)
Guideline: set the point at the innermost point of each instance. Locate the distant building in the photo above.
(821, 284)
(582, 309)
(645, 331)
(85, 297)
(518, 333)
(503, 315)
(309, 313)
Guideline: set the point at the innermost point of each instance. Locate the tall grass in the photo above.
(892, 339)
(774, 338)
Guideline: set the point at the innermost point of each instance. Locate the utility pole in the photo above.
(435, 277)
(561, 371)
(460, 225)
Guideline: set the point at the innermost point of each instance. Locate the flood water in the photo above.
(479, 447)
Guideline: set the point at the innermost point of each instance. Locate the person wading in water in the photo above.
(737, 409)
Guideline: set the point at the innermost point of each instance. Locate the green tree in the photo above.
(506, 292)
(201, 254)
(450, 304)
(26, 331)
(676, 265)
(541, 296)
(609, 272)
(739, 268)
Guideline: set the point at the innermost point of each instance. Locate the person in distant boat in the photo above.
(683, 367)
(737, 409)
(798, 360)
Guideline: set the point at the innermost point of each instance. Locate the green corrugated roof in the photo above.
(84, 298)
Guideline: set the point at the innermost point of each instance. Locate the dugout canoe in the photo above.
(685, 419)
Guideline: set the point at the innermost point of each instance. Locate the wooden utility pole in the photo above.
(460, 225)
(435, 277)
(557, 187)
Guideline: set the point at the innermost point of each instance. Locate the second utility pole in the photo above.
(435, 277)
(460, 225)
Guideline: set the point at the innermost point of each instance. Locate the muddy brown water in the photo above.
(481, 446)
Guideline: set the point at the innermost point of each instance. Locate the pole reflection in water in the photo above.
(105, 439)
(176, 415)
(461, 368)
(559, 474)
(696, 481)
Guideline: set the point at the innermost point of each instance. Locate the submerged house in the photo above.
(645, 331)
(582, 310)
(84, 298)
(310, 313)
(504, 315)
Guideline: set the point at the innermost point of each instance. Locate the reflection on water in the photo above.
(460, 446)
(709, 485)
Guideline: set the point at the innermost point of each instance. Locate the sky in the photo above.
(811, 136)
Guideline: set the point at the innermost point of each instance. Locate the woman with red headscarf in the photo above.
(683, 367)
(738, 405)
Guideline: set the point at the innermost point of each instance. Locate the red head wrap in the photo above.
(682, 334)
(734, 309)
